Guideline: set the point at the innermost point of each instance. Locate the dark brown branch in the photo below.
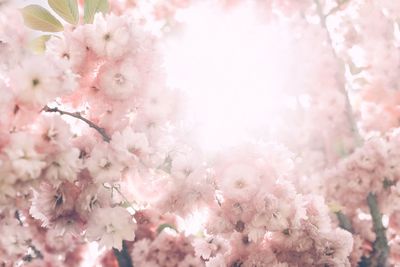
(380, 253)
(78, 116)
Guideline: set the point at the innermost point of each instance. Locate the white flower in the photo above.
(110, 226)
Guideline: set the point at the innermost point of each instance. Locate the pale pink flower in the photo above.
(191, 261)
(209, 247)
(169, 249)
(35, 82)
(26, 162)
(110, 226)
(317, 212)
(7, 95)
(275, 216)
(140, 251)
(130, 146)
(336, 245)
(260, 257)
(296, 240)
(203, 248)
(157, 106)
(109, 36)
(55, 206)
(184, 196)
(184, 164)
(59, 242)
(92, 197)
(54, 133)
(102, 164)
(7, 183)
(70, 47)
(239, 181)
(217, 261)
(64, 165)
(15, 239)
(120, 80)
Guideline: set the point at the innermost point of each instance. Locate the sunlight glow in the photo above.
(231, 64)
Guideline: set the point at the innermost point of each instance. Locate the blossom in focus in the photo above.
(110, 226)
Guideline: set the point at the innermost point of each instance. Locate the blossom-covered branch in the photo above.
(78, 116)
(146, 192)
(341, 75)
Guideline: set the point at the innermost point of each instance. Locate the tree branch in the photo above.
(78, 116)
(380, 253)
(341, 64)
(344, 221)
(123, 257)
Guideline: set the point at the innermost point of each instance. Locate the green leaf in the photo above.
(38, 18)
(38, 45)
(92, 7)
(67, 9)
(164, 226)
(126, 204)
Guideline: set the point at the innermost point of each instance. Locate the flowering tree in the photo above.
(94, 171)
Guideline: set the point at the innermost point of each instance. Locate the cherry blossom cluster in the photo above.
(94, 168)
(368, 40)
(79, 119)
(370, 170)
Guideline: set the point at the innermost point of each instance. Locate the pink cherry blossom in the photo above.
(99, 163)
(109, 37)
(110, 226)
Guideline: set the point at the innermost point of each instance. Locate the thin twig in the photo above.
(17, 216)
(380, 253)
(78, 116)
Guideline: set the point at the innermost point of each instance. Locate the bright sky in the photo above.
(231, 64)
